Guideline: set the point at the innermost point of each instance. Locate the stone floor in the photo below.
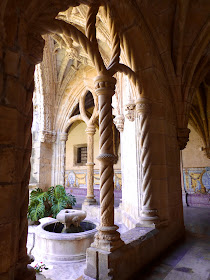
(187, 259)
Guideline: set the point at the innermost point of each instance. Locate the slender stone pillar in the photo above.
(61, 158)
(149, 215)
(90, 199)
(107, 238)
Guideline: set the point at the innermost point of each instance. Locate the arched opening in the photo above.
(160, 58)
(196, 154)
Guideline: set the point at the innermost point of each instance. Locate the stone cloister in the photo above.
(155, 55)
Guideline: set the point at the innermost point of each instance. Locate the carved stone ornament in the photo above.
(47, 136)
(104, 82)
(63, 137)
(107, 158)
(130, 110)
(183, 137)
(91, 130)
(119, 122)
(72, 53)
(207, 152)
(143, 106)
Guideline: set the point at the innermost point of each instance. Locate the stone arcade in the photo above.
(153, 57)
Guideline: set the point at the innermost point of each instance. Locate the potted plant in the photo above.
(50, 203)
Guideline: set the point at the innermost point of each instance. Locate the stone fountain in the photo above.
(65, 238)
(71, 220)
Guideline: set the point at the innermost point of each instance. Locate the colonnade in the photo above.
(59, 156)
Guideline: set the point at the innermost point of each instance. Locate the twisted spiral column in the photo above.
(148, 212)
(90, 199)
(91, 22)
(115, 40)
(107, 237)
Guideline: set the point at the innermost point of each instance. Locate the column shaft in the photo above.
(107, 237)
(90, 166)
(148, 211)
(62, 158)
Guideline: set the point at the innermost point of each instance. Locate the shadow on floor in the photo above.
(188, 258)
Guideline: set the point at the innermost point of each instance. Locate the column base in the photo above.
(107, 239)
(99, 265)
(149, 217)
(90, 201)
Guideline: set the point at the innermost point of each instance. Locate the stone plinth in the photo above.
(141, 246)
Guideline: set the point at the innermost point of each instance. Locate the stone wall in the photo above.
(192, 155)
(21, 47)
(78, 136)
(196, 172)
(15, 125)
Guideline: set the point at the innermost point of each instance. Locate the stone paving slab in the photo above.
(194, 265)
(41, 277)
(68, 271)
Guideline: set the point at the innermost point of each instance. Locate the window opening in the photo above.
(82, 155)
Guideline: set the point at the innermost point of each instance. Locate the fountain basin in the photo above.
(62, 247)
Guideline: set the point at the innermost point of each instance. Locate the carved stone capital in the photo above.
(119, 122)
(183, 137)
(104, 84)
(63, 137)
(48, 136)
(130, 110)
(143, 106)
(90, 130)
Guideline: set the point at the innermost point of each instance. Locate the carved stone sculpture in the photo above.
(48, 136)
(130, 110)
(70, 218)
(183, 137)
(119, 122)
